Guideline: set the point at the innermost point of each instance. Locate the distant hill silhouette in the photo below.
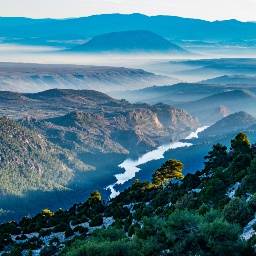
(127, 41)
(170, 27)
(235, 100)
(244, 80)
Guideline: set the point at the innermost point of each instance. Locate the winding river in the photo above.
(130, 165)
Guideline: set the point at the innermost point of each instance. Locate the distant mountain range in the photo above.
(28, 77)
(244, 80)
(129, 41)
(208, 102)
(23, 30)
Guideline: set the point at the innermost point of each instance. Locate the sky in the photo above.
(243, 10)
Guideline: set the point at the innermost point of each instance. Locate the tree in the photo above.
(95, 195)
(237, 211)
(240, 144)
(217, 157)
(171, 169)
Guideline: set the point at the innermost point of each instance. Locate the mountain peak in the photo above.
(129, 41)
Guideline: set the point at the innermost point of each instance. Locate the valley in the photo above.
(127, 134)
(90, 133)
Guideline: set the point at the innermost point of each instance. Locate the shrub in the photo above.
(61, 227)
(69, 232)
(237, 211)
(96, 221)
(45, 232)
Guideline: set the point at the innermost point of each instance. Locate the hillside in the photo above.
(210, 212)
(239, 121)
(133, 130)
(32, 165)
(30, 77)
(129, 41)
(39, 164)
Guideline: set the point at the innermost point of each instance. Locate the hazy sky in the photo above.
(244, 10)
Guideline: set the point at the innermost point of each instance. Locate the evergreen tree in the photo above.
(171, 169)
(240, 144)
(217, 157)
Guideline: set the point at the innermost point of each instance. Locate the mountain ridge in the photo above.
(170, 27)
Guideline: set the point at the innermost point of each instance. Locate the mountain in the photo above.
(235, 100)
(205, 213)
(31, 166)
(29, 77)
(133, 130)
(218, 114)
(170, 27)
(169, 94)
(233, 123)
(240, 80)
(67, 133)
(129, 41)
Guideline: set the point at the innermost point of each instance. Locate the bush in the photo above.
(45, 232)
(237, 211)
(22, 237)
(61, 227)
(49, 250)
(80, 229)
(69, 232)
(96, 221)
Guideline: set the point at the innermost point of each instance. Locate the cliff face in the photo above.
(132, 130)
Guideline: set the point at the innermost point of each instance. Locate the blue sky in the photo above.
(244, 10)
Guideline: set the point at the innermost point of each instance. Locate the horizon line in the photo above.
(127, 14)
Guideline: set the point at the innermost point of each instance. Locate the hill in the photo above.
(129, 41)
(208, 212)
(239, 80)
(235, 100)
(239, 121)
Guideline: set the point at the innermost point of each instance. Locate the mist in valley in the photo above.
(180, 81)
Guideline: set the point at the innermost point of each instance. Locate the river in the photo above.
(130, 165)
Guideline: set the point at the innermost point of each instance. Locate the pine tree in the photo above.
(171, 169)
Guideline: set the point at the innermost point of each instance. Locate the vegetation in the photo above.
(203, 214)
(170, 170)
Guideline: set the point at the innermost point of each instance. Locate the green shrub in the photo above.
(237, 211)
(96, 221)
(69, 232)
